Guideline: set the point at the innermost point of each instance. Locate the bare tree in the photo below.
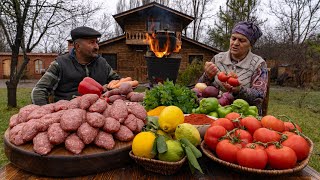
(199, 8)
(25, 22)
(3, 45)
(121, 7)
(298, 19)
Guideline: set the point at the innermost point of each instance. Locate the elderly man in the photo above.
(67, 71)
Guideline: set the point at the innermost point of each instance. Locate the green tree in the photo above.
(235, 11)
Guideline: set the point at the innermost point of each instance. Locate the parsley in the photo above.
(169, 94)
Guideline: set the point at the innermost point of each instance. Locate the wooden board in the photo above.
(62, 163)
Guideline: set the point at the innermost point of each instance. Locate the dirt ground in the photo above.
(29, 83)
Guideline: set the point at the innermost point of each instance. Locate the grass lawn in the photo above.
(282, 101)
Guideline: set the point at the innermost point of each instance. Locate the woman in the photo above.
(251, 69)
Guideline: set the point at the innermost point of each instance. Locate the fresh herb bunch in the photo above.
(170, 94)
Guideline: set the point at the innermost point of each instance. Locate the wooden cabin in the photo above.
(126, 53)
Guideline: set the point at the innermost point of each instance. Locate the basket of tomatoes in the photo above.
(268, 146)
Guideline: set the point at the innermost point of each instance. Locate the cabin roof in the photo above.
(151, 8)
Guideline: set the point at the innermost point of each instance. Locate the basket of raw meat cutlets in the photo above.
(85, 135)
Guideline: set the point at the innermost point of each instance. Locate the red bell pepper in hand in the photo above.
(89, 86)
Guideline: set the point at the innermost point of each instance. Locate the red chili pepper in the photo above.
(89, 86)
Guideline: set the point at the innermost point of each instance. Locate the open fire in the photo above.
(163, 43)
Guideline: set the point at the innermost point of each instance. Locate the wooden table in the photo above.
(134, 171)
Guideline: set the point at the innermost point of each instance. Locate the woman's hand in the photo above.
(230, 88)
(210, 69)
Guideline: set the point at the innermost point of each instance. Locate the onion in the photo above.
(210, 91)
(229, 96)
(197, 91)
(200, 86)
(223, 101)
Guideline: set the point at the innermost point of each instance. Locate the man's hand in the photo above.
(210, 69)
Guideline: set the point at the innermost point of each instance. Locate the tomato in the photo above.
(227, 151)
(233, 82)
(288, 126)
(288, 133)
(234, 117)
(255, 146)
(299, 145)
(273, 123)
(252, 158)
(226, 123)
(244, 136)
(212, 135)
(251, 124)
(233, 74)
(281, 158)
(222, 76)
(266, 135)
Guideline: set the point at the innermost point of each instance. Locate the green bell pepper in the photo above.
(208, 105)
(252, 111)
(214, 114)
(240, 106)
(224, 110)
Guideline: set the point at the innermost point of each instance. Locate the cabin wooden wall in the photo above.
(131, 61)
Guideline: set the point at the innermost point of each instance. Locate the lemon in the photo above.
(170, 117)
(156, 111)
(166, 135)
(174, 152)
(188, 131)
(142, 144)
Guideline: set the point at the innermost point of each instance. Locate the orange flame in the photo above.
(161, 51)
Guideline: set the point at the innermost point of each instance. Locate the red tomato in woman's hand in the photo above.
(212, 135)
(266, 135)
(244, 136)
(233, 82)
(252, 158)
(299, 145)
(226, 123)
(281, 158)
(288, 126)
(222, 76)
(251, 124)
(227, 151)
(273, 123)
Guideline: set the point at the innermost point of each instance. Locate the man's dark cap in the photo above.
(84, 32)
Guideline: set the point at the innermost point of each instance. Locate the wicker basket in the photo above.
(270, 172)
(157, 166)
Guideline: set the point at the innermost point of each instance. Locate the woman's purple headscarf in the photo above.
(248, 29)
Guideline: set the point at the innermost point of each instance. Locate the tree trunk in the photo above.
(12, 93)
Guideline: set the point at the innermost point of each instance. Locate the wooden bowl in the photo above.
(62, 163)
(269, 172)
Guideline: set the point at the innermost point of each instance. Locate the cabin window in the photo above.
(39, 67)
(198, 58)
(112, 60)
(153, 25)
